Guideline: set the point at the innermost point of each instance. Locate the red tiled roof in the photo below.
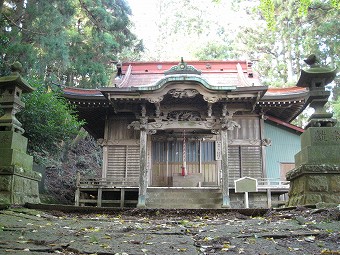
(288, 90)
(216, 73)
(204, 66)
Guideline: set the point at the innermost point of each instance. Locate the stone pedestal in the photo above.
(18, 182)
(316, 177)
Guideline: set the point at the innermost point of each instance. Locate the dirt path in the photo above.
(299, 231)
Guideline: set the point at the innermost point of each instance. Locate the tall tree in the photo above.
(267, 8)
(183, 29)
(294, 36)
(103, 32)
(66, 41)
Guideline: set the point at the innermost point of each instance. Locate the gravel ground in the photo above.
(138, 232)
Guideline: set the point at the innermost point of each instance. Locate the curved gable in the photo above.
(168, 80)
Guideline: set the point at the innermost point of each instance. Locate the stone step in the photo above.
(184, 198)
(185, 206)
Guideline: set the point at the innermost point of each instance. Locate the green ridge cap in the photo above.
(174, 78)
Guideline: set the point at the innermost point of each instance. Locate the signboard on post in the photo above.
(246, 184)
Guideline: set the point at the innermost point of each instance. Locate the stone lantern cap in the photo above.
(15, 79)
(316, 76)
(320, 76)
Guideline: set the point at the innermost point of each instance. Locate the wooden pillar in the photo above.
(103, 143)
(77, 194)
(143, 173)
(99, 197)
(225, 170)
(264, 143)
(226, 124)
(269, 198)
(105, 161)
(122, 197)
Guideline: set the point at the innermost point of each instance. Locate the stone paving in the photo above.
(138, 232)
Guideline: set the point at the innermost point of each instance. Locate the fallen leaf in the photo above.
(293, 249)
(310, 239)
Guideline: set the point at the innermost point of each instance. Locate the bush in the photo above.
(49, 121)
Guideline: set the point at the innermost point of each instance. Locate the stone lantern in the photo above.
(316, 176)
(18, 181)
(316, 77)
(11, 89)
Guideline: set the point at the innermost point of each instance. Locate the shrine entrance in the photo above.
(200, 163)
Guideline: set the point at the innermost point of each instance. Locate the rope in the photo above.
(184, 155)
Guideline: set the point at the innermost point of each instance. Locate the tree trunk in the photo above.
(289, 62)
(1, 4)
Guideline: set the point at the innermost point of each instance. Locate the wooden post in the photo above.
(122, 197)
(99, 197)
(225, 170)
(246, 200)
(76, 197)
(77, 194)
(143, 173)
(269, 198)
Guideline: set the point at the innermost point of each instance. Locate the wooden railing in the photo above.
(106, 182)
(272, 183)
(264, 183)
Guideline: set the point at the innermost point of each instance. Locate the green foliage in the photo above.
(303, 8)
(335, 103)
(71, 42)
(335, 4)
(336, 109)
(48, 121)
(267, 7)
(278, 53)
(215, 50)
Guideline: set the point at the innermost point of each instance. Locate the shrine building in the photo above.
(177, 135)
